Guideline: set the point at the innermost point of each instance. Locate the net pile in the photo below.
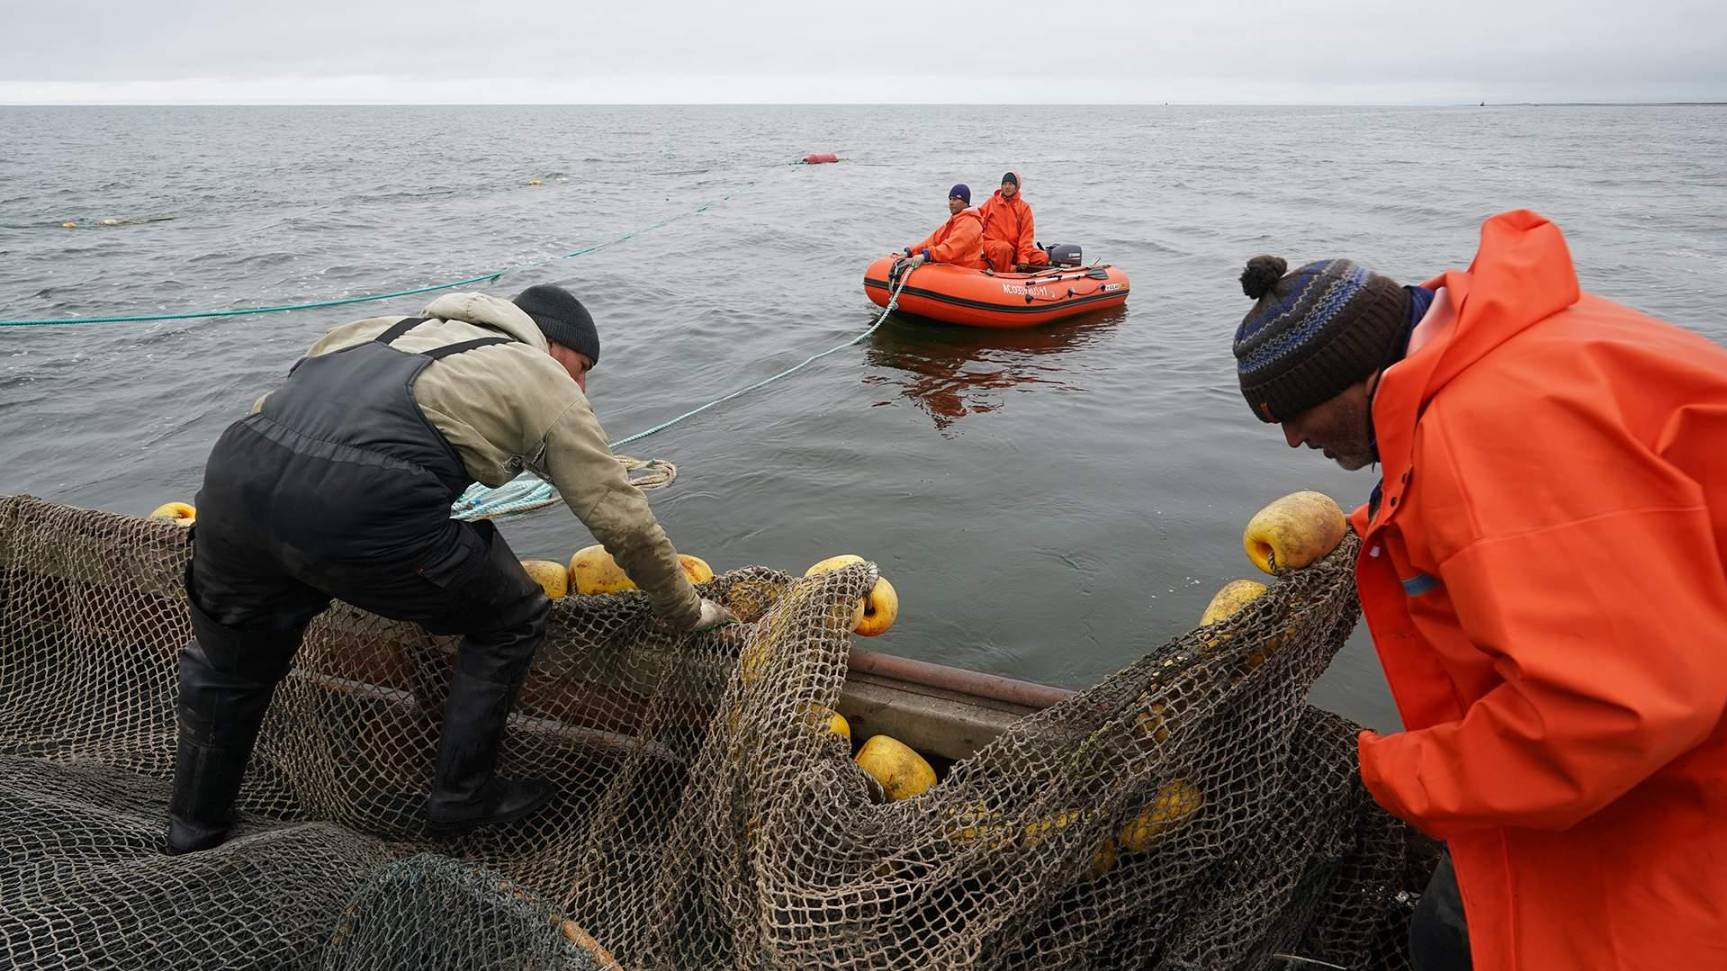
(1191, 812)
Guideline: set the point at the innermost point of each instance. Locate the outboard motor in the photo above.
(1063, 254)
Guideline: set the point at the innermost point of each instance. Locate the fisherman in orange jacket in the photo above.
(1543, 568)
(957, 241)
(1009, 238)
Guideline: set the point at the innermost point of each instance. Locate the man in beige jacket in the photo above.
(339, 485)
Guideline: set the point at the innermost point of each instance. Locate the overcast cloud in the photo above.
(539, 51)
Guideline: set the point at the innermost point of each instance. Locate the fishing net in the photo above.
(434, 912)
(1190, 812)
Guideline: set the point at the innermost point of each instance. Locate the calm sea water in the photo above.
(1050, 503)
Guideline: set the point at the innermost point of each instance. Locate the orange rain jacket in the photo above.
(957, 241)
(1543, 575)
(1009, 237)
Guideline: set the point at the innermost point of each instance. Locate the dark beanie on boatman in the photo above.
(1314, 333)
(562, 318)
(1010, 177)
(960, 191)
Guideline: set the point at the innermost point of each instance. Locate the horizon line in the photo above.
(859, 104)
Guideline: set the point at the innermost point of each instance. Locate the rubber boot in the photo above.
(206, 783)
(227, 678)
(466, 791)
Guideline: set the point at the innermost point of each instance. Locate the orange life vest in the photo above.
(1009, 234)
(957, 241)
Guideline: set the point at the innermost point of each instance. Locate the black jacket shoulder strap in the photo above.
(399, 328)
(448, 349)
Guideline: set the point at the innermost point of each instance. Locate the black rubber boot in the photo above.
(466, 792)
(227, 678)
(501, 802)
(206, 783)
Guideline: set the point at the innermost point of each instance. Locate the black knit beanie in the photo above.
(1313, 333)
(562, 318)
(1010, 177)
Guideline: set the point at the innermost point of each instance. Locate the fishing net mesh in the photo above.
(1190, 812)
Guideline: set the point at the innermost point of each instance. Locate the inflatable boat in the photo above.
(982, 298)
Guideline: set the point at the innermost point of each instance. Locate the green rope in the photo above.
(892, 304)
(247, 311)
(890, 307)
(370, 297)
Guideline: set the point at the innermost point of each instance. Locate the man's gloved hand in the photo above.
(912, 263)
(714, 616)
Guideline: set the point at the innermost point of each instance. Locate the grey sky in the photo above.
(1222, 51)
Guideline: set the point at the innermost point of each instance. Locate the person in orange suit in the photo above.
(1543, 568)
(1009, 237)
(957, 241)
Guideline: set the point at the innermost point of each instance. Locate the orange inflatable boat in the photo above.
(979, 298)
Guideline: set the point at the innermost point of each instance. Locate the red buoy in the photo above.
(820, 157)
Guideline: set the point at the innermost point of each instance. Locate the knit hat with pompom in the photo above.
(1313, 333)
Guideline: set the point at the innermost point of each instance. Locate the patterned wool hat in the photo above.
(1313, 333)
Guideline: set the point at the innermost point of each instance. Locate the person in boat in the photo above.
(1009, 235)
(338, 485)
(1543, 568)
(958, 241)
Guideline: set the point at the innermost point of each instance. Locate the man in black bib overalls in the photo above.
(339, 485)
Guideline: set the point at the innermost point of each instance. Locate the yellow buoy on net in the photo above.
(178, 513)
(877, 610)
(593, 571)
(1293, 532)
(1176, 800)
(823, 718)
(901, 771)
(553, 578)
(695, 568)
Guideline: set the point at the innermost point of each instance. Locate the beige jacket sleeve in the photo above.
(575, 458)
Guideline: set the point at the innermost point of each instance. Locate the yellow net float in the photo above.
(1176, 800)
(1150, 725)
(593, 571)
(178, 513)
(1233, 596)
(877, 610)
(824, 719)
(553, 578)
(1293, 532)
(977, 822)
(1039, 830)
(901, 772)
(695, 568)
(1103, 860)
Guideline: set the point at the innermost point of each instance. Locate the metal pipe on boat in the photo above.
(973, 683)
